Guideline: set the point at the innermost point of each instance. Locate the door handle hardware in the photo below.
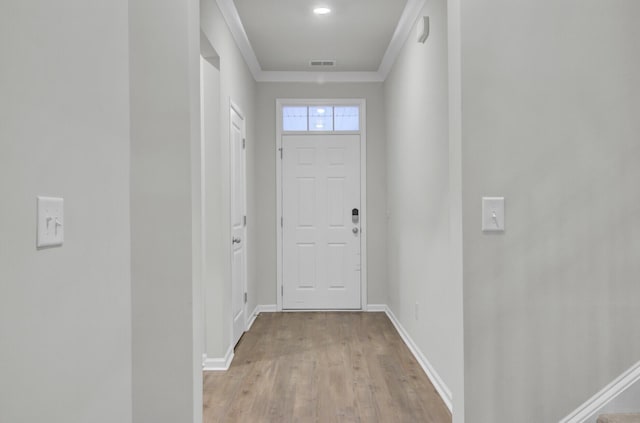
(235, 240)
(355, 230)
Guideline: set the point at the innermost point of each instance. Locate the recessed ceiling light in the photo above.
(321, 10)
(321, 111)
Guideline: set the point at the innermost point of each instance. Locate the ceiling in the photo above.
(285, 34)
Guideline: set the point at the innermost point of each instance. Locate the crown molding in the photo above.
(405, 24)
(407, 19)
(231, 16)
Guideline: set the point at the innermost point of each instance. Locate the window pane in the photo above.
(347, 118)
(320, 118)
(294, 118)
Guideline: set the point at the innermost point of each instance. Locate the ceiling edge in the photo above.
(405, 24)
(232, 18)
(318, 77)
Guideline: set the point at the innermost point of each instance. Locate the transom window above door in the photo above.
(321, 118)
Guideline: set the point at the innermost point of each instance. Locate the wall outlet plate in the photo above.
(50, 225)
(493, 214)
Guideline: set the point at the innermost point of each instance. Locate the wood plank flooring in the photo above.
(322, 367)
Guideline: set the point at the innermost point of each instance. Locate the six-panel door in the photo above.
(321, 234)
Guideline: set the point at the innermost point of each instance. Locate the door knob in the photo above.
(355, 230)
(235, 240)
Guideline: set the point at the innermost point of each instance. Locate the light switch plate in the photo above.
(492, 214)
(50, 222)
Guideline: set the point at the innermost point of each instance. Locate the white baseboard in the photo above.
(376, 308)
(267, 308)
(252, 318)
(222, 364)
(602, 398)
(218, 364)
(436, 380)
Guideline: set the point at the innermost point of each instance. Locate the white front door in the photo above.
(238, 230)
(321, 221)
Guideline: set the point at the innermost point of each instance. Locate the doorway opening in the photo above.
(321, 204)
(238, 221)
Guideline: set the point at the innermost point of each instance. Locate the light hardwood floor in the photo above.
(322, 367)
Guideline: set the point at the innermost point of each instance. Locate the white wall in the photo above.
(236, 84)
(419, 233)
(551, 99)
(65, 313)
(165, 128)
(263, 265)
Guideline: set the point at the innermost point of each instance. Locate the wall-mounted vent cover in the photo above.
(314, 63)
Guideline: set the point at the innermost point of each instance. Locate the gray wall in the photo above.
(455, 202)
(236, 84)
(419, 240)
(165, 127)
(264, 260)
(65, 314)
(551, 99)
(212, 202)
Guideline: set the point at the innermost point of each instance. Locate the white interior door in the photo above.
(321, 221)
(238, 230)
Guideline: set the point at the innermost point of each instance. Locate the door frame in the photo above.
(234, 107)
(280, 102)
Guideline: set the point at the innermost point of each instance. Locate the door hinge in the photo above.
(245, 297)
(281, 222)
(280, 152)
(282, 290)
(244, 143)
(244, 220)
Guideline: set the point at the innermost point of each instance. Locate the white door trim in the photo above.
(363, 187)
(233, 106)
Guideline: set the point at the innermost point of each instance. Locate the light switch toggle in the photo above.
(493, 214)
(58, 224)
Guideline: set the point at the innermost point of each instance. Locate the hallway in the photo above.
(498, 214)
(322, 367)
